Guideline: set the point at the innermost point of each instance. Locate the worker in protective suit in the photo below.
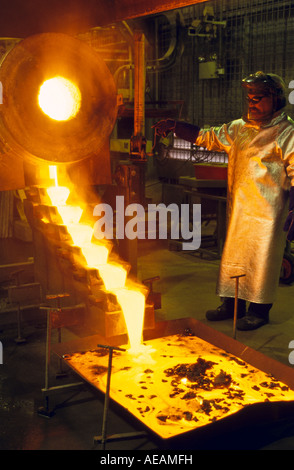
(260, 148)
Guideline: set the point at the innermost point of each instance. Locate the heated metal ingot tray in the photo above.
(188, 378)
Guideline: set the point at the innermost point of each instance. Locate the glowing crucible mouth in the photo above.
(59, 98)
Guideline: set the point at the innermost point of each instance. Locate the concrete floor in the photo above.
(187, 284)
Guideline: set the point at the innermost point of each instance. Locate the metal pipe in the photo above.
(139, 83)
(236, 302)
(106, 401)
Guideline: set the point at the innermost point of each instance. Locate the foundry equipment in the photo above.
(58, 154)
(44, 144)
(187, 385)
(177, 378)
(30, 138)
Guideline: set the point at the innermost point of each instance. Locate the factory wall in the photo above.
(225, 40)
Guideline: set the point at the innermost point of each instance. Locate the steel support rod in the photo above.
(236, 302)
(106, 401)
(139, 83)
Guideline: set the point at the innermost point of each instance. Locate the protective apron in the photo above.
(260, 173)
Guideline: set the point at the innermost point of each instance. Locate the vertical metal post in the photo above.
(47, 358)
(139, 83)
(136, 183)
(48, 349)
(44, 411)
(106, 401)
(19, 338)
(57, 298)
(236, 302)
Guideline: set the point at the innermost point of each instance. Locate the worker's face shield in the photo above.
(258, 105)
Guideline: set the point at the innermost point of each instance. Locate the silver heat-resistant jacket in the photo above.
(260, 173)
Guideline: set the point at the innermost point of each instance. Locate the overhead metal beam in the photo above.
(127, 9)
(20, 19)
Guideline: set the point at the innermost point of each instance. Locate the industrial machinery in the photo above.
(59, 107)
(30, 138)
(58, 158)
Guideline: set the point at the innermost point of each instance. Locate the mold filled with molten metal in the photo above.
(179, 383)
(113, 275)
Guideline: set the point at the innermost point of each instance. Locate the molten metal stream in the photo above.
(114, 276)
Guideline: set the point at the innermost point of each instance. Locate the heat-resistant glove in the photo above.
(183, 130)
(289, 224)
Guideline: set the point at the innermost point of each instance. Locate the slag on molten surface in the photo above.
(113, 275)
(191, 383)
